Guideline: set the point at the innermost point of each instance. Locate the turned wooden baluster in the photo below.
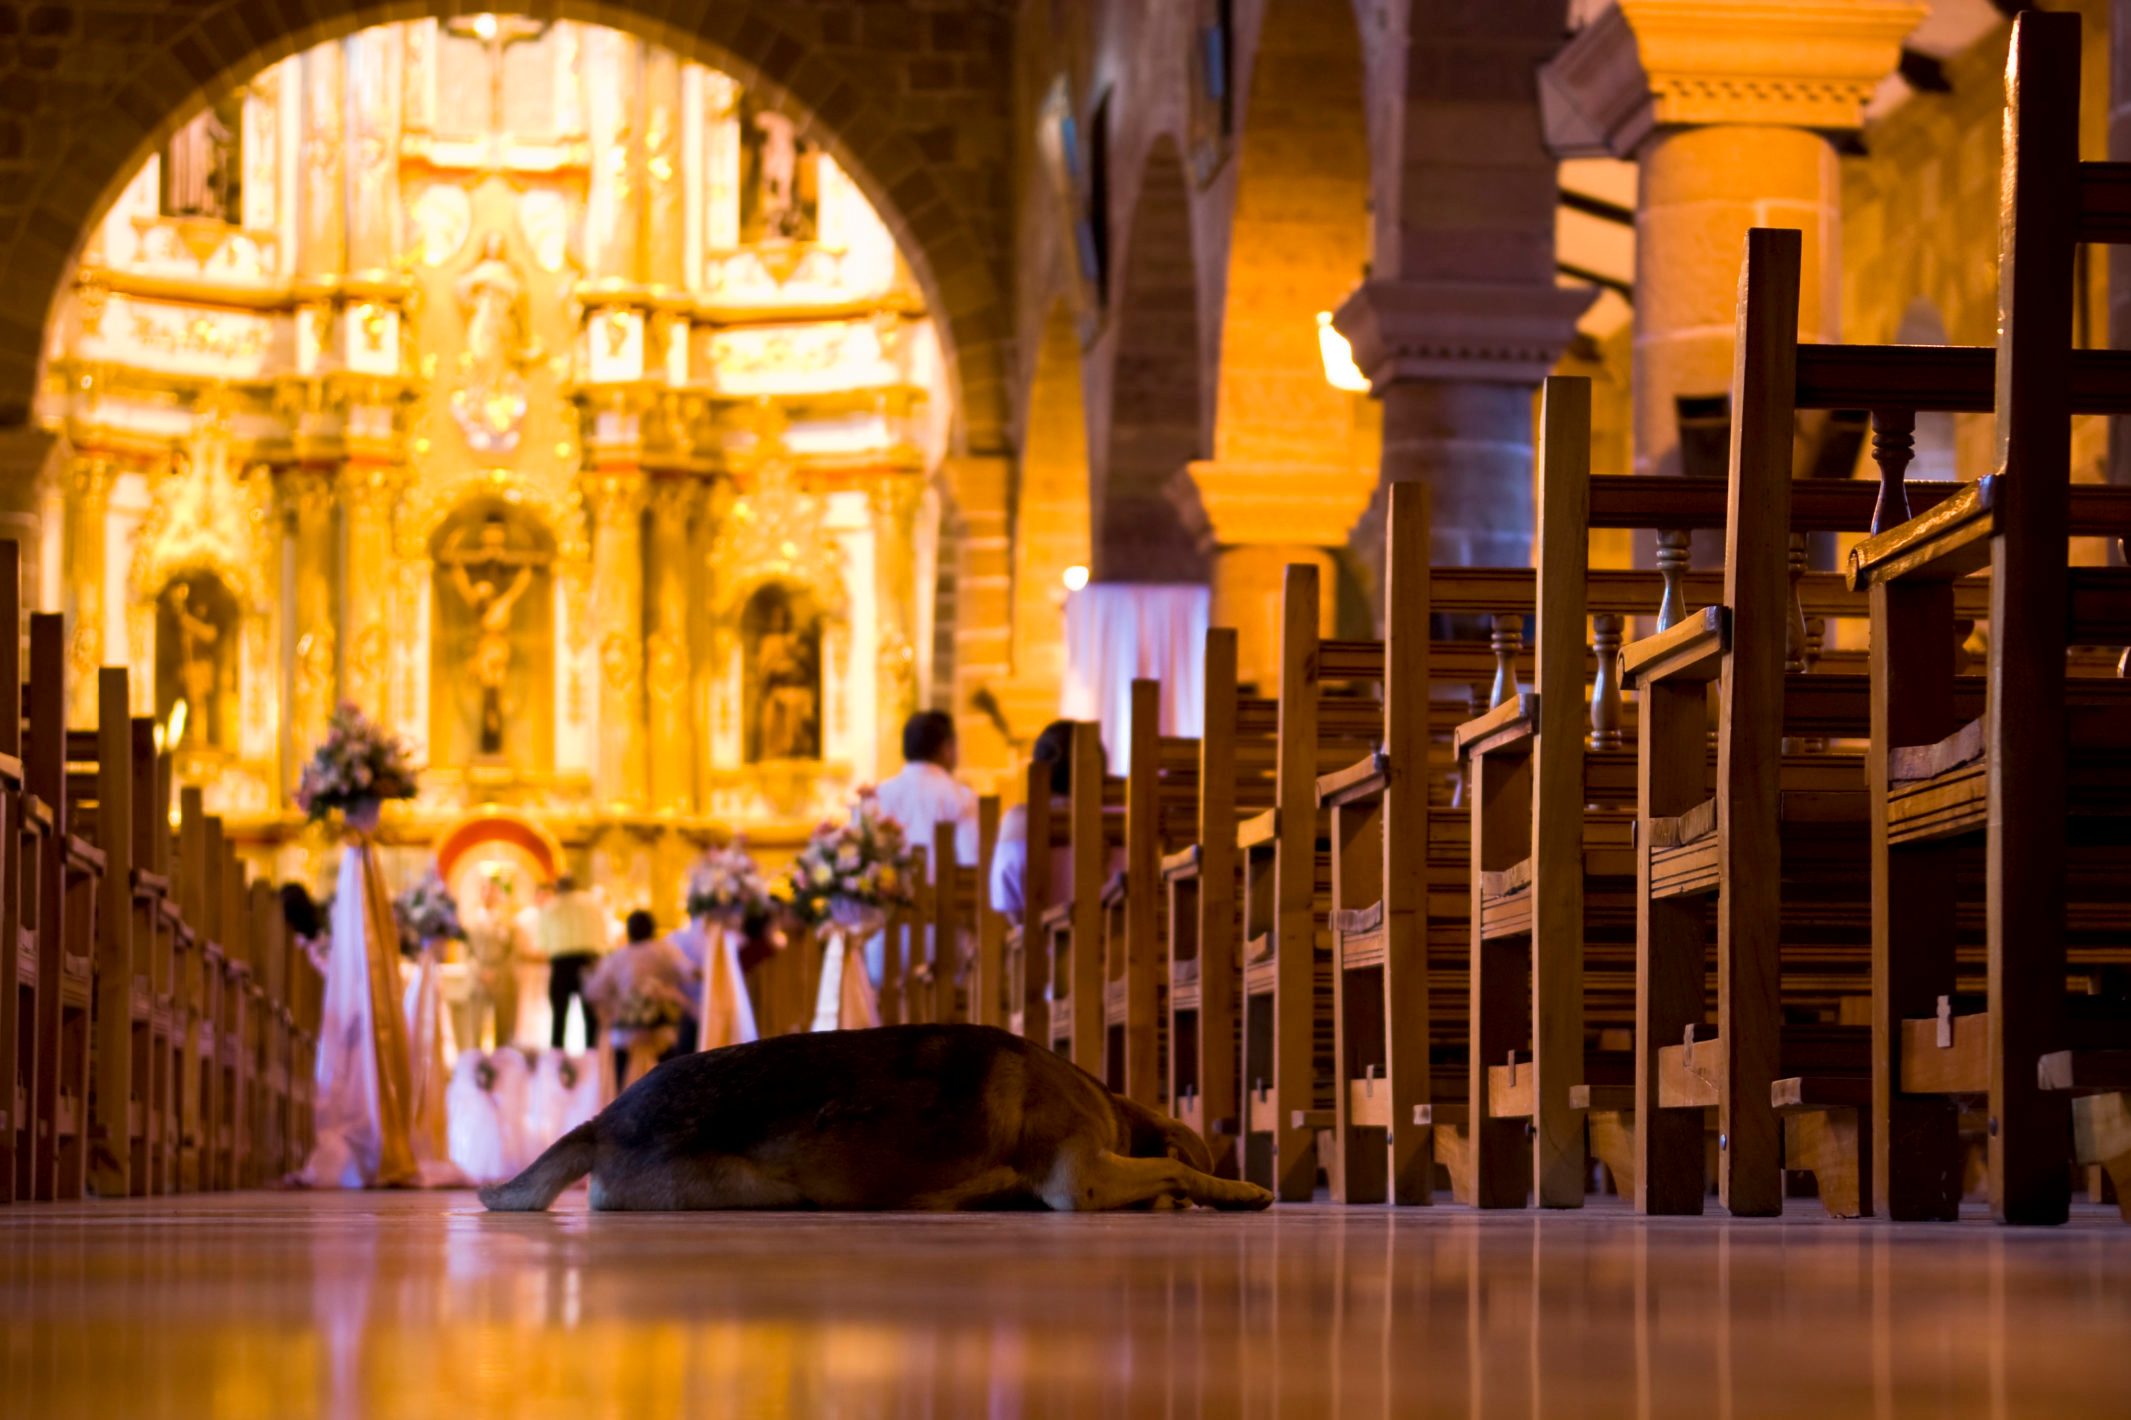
(2123, 662)
(1893, 445)
(1795, 633)
(1605, 686)
(1672, 555)
(1508, 640)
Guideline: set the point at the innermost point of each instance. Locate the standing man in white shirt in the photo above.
(925, 793)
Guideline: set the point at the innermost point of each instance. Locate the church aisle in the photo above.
(408, 1304)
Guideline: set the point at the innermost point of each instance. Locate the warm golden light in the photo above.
(1340, 371)
(176, 729)
(485, 27)
(1076, 577)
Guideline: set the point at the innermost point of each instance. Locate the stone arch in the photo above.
(1145, 518)
(133, 88)
(1295, 458)
(1050, 509)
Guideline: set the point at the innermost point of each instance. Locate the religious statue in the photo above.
(786, 687)
(492, 602)
(197, 637)
(490, 402)
(781, 202)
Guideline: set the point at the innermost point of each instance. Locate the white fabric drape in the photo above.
(727, 1016)
(1119, 632)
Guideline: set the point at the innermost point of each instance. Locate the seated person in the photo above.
(643, 993)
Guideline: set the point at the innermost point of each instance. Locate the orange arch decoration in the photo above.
(519, 833)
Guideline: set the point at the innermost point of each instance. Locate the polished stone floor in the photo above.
(410, 1305)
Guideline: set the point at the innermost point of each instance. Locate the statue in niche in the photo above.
(780, 194)
(490, 402)
(195, 661)
(784, 666)
(203, 166)
(490, 578)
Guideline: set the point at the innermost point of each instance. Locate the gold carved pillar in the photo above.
(88, 493)
(665, 194)
(307, 504)
(615, 495)
(613, 73)
(321, 235)
(373, 150)
(893, 500)
(669, 669)
(369, 492)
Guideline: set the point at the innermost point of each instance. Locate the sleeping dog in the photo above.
(917, 1117)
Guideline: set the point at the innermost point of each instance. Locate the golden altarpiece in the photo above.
(543, 393)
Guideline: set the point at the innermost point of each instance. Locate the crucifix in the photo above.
(490, 577)
(496, 33)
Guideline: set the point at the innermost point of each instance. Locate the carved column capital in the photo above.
(674, 501)
(1650, 64)
(1497, 331)
(615, 495)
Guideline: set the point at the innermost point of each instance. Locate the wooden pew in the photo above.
(100, 794)
(199, 845)
(1071, 927)
(1025, 967)
(961, 920)
(18, 955)
(987, 1003)
(1285, 857)
(1382, 1081)
(1161, 816)
(70, 890)
(1236, 754)
(2044, 775)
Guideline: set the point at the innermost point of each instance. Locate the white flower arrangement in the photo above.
(356, 767)
(859, 867)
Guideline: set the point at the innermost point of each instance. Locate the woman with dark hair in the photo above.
(1010, 860)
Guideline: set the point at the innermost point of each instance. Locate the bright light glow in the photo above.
(485, 27)
(1076, 577)
(1340, 371)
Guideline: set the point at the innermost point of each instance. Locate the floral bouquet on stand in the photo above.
(726, 888)
(847, 878)
(354, 770)
(427, 913)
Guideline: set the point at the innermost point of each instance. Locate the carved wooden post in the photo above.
(1893, 445)
(1508, 640)
(1672, 555)
(1794, 638)
(1605, 686)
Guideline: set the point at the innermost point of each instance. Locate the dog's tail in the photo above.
(1154, 1135)
(567, 1160)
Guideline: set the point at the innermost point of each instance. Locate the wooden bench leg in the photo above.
(1829, 1144)
(2101, 1135)
(1612, 1143)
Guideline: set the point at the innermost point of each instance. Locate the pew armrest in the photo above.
(1514, 720)
(1691, 651)
(1359, 782)
(1942, 543)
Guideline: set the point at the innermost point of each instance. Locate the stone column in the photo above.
(1455, 364)
(669, 665)
(984, 585)
(321, 234)
(1260, 517)
(370, 485)
(307, 503)
(893, 499)
(615, 494)
(88, 507)
(1730, 110)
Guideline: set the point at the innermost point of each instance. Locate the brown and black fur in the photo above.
(899, 1117)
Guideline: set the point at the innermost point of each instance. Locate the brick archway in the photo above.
(99, 91)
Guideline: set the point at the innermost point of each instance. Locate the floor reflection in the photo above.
(410, 1305)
